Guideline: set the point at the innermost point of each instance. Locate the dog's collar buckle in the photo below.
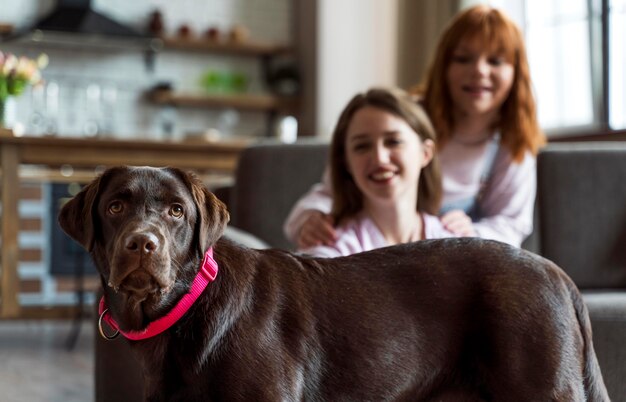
(207, 274)
(101, 328)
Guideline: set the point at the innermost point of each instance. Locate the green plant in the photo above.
(16, 73)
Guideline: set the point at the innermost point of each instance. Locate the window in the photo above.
(577, 55)
(558, 43)
(617, 64)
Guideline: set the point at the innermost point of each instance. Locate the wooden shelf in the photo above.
(6, 29)
(273, 106)
(251, 102)
(247, 48)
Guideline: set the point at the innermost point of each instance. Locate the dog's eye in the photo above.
(176, 210)
(115, 207)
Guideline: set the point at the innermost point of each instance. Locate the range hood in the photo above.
(76, 23)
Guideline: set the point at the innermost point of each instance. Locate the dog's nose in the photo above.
(142, 243)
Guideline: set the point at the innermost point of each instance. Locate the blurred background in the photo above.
(305, 59)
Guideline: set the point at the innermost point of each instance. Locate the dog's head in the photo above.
(147, 230)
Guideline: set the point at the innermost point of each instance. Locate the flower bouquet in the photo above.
(16, 73)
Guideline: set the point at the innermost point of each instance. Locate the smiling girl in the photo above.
(478, 96)
(384, 175)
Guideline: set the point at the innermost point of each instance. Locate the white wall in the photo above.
(357, 49)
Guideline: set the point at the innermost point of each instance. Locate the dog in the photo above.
(459, 319)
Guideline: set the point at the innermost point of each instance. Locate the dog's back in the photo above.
(460, 316)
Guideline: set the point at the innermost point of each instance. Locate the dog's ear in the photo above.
(213, 216)
(76, 216)
(212, 213)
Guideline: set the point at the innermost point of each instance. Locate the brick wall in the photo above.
(37, 284)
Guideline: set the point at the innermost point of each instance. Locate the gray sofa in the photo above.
(581, 202)
(581, 225)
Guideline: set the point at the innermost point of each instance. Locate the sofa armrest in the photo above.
(244, 238)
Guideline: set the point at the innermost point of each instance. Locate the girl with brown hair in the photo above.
(384, 175)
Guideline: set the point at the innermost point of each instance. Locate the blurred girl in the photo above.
(478, 95)
(384, 175)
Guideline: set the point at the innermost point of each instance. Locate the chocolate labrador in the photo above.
(436, 320)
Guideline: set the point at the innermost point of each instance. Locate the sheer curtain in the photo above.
(617, 64)
(420, 23)
(578, 88)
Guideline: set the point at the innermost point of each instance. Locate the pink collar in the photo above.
(207, 274)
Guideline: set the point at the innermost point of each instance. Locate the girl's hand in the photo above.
(457, 222)
(316, 230)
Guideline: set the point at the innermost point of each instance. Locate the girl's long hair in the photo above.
(347, 198)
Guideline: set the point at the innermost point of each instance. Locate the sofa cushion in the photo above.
(606, 305)
(266, 169)
(582, 211)
(607, 311)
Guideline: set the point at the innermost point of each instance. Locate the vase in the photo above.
(2, 107)
(7, 112)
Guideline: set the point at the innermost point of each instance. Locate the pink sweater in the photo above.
(361, 234)
(507, 205)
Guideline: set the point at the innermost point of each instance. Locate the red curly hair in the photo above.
(518, 125)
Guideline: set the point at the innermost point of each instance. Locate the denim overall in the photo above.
(471, 205)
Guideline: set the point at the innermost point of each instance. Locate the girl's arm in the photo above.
(309, 223)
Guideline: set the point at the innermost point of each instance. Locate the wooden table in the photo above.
(50, 153)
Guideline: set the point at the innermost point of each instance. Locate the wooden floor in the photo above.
(36, 364)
